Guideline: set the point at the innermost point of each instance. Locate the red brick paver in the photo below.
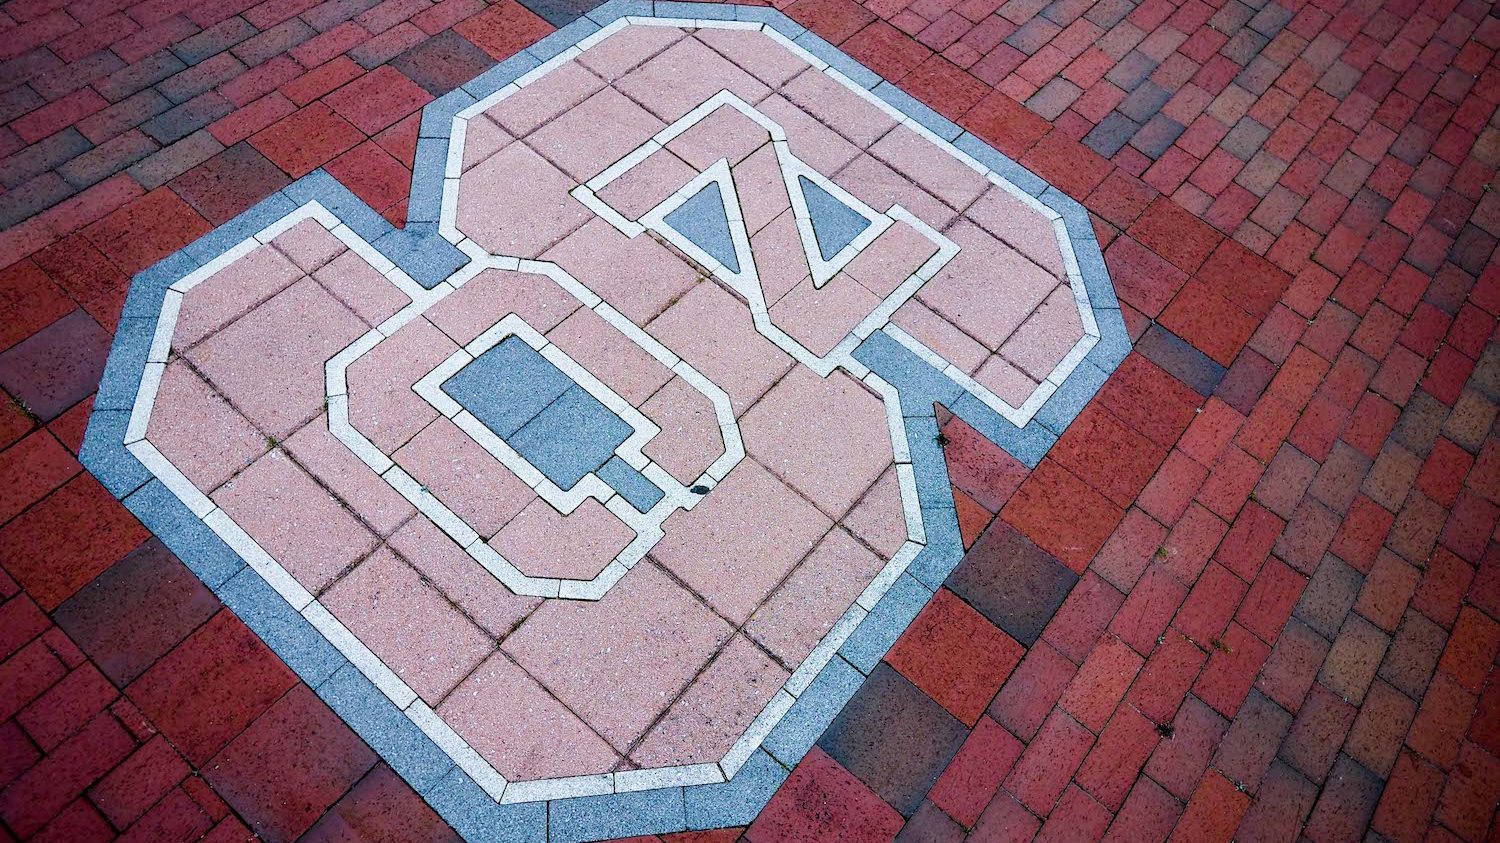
(1271, 538)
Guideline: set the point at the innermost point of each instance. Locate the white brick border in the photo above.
(463, 755)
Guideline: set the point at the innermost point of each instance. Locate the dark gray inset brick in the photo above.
(1244, 46)
(189, 83)
(1112, 133)
(1131, 70)
(1121, 39)
(1260, 173)
(327, 15)
(18, 101)
(1339, 80)
(1231, 17)
(33, 197)
(1064, 12)
(216, 39)
(74, 75)
(29, 66)
(143, 74)
(1033, 35)
(387, 45)
(1181, 359)
(1245, 139)
(172, 161)
(1250, 745)
(1259, 75)
(107, 158)
(1420, 422)
(1329, 596)
(274, 41)
(177, 123)
(149, 585)
(894, 738)
(1157, 136)
(1413, 654)
(1143, 102)
(57, 366)
(1107, 13)
(443, 62)
(44, 155)
(1324, 49)
(1054, 98)
(125, 114)
(1014, 583)
(1271, 19)
(1347, 804)
(559, 13)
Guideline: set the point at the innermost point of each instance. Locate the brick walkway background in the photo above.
(1272, 535)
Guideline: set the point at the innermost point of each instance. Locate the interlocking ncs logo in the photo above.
(587, 497)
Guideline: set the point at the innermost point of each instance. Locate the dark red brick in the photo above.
(1173, 233)
(1250, 745)
(971, 779)
(1269, 602)
(133, 787)
(44, 790)
(1100, 683)
(1129, 550)
(146, 230)
(1006, 820)
(136, 611)
(443, 62)
(1180, 759)
(211, 687)
(1346, 805)
(60, 544)
(956, 656)
(229, 183)
(1409, 799)
(1148, 814)
(378, 99)
(1113, 765)
(822, 799)
(1036, 684)
(1210, 605)
(1048, 762)
(289, 766)
(306, 139)
(503, 29)
(1233, 663)
(66, 707)
(56, 367)
(1354, 658)
(1166, 677)
(374, 176)
(1214, 811)
(1062, 514)
(1148, 608)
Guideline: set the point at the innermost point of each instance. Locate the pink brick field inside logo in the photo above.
(589, 496)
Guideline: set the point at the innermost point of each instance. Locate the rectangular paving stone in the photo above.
(1016, 584)
(894, 738)
(1111, 134)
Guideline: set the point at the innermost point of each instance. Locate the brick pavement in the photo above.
(1270, 538)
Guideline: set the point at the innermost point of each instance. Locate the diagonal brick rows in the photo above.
(1252, 592)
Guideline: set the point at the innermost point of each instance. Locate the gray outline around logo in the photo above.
(426, 256)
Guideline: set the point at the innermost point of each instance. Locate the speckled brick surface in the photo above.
(1250, 593)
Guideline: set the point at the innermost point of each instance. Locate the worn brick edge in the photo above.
(423, 253)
